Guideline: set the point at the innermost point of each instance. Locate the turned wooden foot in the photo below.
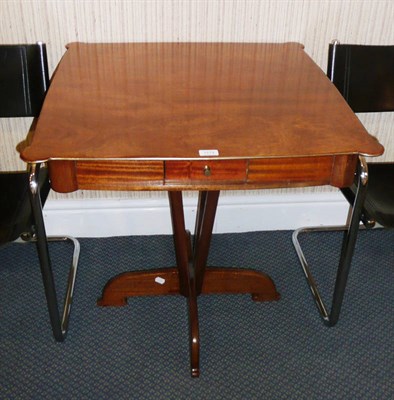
(139, 283)
(237, 280)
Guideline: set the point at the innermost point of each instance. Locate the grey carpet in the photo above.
(278, 350)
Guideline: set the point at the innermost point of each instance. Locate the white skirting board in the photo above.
(236, 213)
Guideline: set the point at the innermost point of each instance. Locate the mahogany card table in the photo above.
(191, 116)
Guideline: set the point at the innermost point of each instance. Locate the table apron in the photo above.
(210, 174)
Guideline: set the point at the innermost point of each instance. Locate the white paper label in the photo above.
(208, 153)
(159, 280)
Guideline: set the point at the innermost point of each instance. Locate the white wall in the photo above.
(312, 22)
(236, 213)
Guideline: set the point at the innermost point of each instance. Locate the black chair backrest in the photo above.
(24, 79)
(364, 74)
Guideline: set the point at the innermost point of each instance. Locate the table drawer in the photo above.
(67, 176)
(286, 172)
(205, 171)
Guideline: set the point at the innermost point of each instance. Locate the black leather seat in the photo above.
(364, 75)
(24, 81)
(15, 211)
(379, 203)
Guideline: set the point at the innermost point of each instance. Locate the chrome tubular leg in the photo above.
(348, 245)
(59, 326)
(71, 279)
(43, 253)
(307, 272)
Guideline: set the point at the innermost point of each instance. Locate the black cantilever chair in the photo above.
(364, 75)
(24, 80)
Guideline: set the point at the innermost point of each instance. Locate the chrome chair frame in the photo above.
(356, 215)
(348, 245)
(38, 234)
(59, 325)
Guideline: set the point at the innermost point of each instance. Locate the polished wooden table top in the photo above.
(196, 101)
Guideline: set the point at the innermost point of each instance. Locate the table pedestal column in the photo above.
(191, 277)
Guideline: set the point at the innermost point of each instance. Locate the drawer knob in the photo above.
(207, 170)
